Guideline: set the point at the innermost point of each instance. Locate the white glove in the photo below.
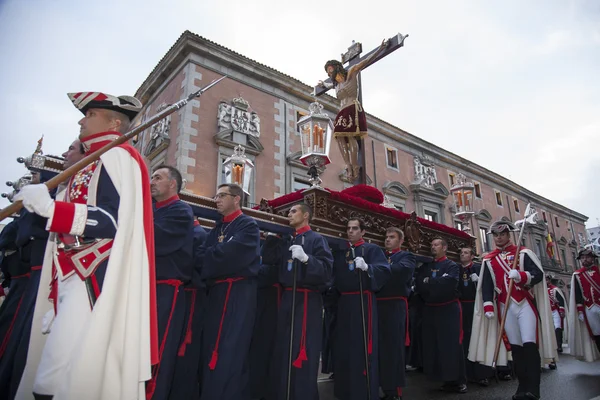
(36, 199)
(47, 321)
(360, 263)
(581, 316)
(474, 277)
(298, 253)
(489, 315)
(445, 275)
(514, 274)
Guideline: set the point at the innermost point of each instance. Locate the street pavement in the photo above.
(572, 380)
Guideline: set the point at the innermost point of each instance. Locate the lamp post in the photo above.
(462, 194)
(238, 169)
(316, 130)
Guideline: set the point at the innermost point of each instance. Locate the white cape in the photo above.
(581, 345)
(485, 331)
(113, 360)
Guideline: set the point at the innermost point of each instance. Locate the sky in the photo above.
(512, 85)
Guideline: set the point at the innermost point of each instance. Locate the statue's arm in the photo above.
(355, 69)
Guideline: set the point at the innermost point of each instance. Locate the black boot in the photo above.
(559, 339)
(597, 341)
(520, 369)
(42, 396)
(531, 356)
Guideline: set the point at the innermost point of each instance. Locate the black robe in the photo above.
(468, 290)
(443, 358)
(268, 299)
(31, 240)
(349, 356)
(330, 303)
(187, 369)
(173, 243)
(230, 268)
(392, 310)
(17, 275)
(312, 278)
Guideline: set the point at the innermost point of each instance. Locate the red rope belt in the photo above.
(460, 337)
(12, 322)
(151, 387)
(370, 317)
(188, 330)
(278, 287)
(407, 335)
(215, 354)
(302, 352)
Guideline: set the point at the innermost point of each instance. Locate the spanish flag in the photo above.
(550, 246)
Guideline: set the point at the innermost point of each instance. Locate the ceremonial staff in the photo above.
(293, 313)
(73, 169)
(529, 213)
(364, 327)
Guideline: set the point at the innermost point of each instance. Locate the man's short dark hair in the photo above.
(81, 148)
(396, 230)
(444, 243)
(361, 223)
(173, 174)
(471, 250)
(305, 208)
(235, 190)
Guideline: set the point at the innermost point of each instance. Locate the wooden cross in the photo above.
(352, 57)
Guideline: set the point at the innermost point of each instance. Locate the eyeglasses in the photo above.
(222, 195)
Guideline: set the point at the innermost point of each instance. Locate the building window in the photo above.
(516, 202)
(391, 157)
(544, 216)
(459, 225)
(498, 198)
(485, 244)
(300, 184)
(477, 190)
(574, 256)
(431, 216)
(556, 221)
(538, 248)
(299, 115)
(564, 257)
(399, 208)
(451, 178)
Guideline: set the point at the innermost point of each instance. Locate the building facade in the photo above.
(258, 107)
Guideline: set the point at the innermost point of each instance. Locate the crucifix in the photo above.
(350, 124)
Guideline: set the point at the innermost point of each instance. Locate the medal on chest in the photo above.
(351, 265)
(465, 279)
(78, 190)
(289, 264)
(434, 273)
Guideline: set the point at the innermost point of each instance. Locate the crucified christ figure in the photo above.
(350, 124)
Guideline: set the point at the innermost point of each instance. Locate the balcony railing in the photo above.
(552, 264)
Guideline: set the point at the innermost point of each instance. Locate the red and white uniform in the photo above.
(557, 306)
(105, 352)
(585, 294)
(587, 297)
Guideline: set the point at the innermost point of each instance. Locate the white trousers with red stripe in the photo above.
(593, 317)
(521, 323)
(557, 320)
(73, 313)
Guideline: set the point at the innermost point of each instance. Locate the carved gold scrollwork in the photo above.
(412, 231)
